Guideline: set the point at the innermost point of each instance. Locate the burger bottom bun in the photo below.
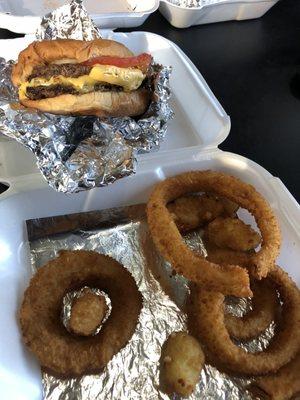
(100, 104)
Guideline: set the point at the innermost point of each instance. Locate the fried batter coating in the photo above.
(194, 211)
(230, 207)
(265, 301)
(58, 351)
(282, 385)
(190, 212)
(206, 312)
(265, 307)
(182, 360)
(87, 313)
(221, 256)
(233, 233)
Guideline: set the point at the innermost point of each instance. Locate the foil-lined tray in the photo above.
(80, 153)
(133, 373)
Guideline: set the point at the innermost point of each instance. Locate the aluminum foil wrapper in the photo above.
(80, 153)
(196, 3)
(133, 373)
(71, 21)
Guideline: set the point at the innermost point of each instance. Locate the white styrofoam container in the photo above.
(20, 373)
(192, 144)
(224, 10)
(199, 123)
(24, 16)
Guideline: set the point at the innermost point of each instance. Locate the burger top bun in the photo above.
(63, 50)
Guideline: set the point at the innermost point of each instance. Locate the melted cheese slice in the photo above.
(129, 78)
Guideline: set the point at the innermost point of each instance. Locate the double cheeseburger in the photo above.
(99, 77)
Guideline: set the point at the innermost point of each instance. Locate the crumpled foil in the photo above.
(196, 3)
(71, 21)
(80, 153)
(133, 373)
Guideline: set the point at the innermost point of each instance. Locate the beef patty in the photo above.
(68, 70)
(45, 92)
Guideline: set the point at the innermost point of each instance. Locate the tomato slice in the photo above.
(141, 62)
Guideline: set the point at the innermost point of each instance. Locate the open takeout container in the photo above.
(17, 364)
(199, 126)
(199, 121)
(215, 11)
(24, 16)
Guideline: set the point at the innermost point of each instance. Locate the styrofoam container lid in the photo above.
(24, 16)
(213, 11)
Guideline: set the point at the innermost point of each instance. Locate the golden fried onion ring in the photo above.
(207, 317)
(282, 385)
(230, 280)
(58, 351)
(265, 301)
(265, 308)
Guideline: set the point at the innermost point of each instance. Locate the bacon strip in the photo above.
(141, 62)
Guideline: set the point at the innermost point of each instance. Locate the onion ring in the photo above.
(265, 302)
(265, 307)
(207, 313)
(282, 385)
(230, 280)
(58, 351)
